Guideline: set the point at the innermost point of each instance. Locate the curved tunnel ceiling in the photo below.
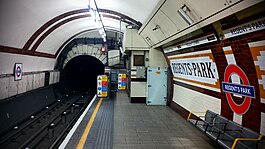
(43, 26)
(81, 72)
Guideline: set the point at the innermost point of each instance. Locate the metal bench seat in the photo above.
(225, 132)
(203, 124)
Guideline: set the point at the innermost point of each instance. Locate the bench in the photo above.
(226, 133)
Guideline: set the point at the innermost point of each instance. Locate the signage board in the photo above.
(102, 86)
(18, 71)
(196, 68)
(245, 28)
(121, 81)
(245, 89)
(199, 41)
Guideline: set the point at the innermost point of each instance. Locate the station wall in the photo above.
(198, 73)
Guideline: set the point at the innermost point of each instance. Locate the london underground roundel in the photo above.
(245, 89)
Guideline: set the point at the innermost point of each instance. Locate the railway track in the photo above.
(48, 127)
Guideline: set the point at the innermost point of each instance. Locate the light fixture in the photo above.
(121, 49)
(93, 9)
(183, 13)
(148, 41)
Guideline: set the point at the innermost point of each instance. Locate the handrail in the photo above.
(194, 112)
(246, 139)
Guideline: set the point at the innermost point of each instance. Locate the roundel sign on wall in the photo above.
(245, 89)
(18, 71)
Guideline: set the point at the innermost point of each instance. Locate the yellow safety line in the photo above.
(88, 126)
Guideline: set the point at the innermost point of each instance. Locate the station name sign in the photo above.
(192, 43)
(196, 68)
(245, 28)
(239, 89)
(244, 89)
(199, 69)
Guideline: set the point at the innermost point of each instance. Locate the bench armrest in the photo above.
(245, 139)
(194, 112)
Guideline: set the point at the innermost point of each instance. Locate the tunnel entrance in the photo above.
(80, 73)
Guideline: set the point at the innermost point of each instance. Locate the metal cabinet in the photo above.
(156, 86)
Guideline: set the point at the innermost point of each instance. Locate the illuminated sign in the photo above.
(245, 28)
(192, 43)
(121, 81)
(102, 86)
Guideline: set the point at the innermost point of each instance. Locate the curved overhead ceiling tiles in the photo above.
(66, 17)
(56, 38)
(50, 23)
(56, 26)
(80, 34)
(17, 23)
(132, 8)
(52, 42)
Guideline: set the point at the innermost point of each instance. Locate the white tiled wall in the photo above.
(29, 82)
(22, 85)
(4, 83)
(195, 101)
(54, 77)
(9, 87)
(13, 87)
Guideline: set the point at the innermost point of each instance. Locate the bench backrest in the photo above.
(233, 129)
(247, 133)
(209, 116)
(220, 122)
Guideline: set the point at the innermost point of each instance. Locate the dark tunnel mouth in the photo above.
(80, 73)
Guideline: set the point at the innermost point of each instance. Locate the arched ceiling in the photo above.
(41, 27)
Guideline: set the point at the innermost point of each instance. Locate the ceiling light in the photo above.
(183, 13)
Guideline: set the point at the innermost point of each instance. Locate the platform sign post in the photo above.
(121, 81)
(102, 86)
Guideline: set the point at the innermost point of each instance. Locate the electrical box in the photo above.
(140, 72)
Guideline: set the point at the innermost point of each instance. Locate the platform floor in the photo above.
(120, 124)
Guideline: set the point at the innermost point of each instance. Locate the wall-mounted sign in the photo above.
(257, 50)
(196, 68)
(245, 89)
(102, 86)
(18, 71)
(192, 43)
(245, 28)
(121, 81)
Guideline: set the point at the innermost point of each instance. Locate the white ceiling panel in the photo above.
(20, 19)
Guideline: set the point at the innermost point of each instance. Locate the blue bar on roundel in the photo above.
(243, 90)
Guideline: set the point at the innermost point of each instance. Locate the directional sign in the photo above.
(102, 86)
(245, 89)
(18, 71)
(121, 81)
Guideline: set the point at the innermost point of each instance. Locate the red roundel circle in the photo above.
(242, 108)
(18, 72)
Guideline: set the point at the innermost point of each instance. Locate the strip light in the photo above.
(93, 9)
(183, 13)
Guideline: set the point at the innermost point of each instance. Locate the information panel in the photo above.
(102, 86)
(121, 81)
